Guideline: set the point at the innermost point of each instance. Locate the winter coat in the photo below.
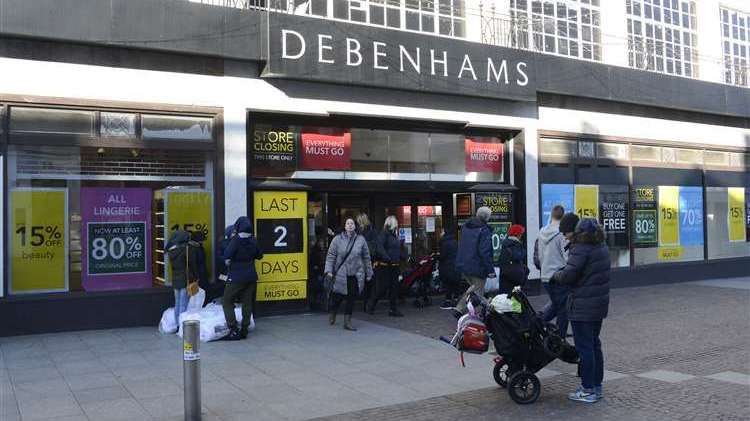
(371, 237)
(513, 268)
(223, 244)
(357, 264)
(196, 240)
(474, 257)
(242, 252)
(180, 255)
(388, 248)
(448, 252)
(587, 272)
(552, 250)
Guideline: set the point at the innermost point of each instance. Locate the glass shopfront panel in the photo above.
(727, 222)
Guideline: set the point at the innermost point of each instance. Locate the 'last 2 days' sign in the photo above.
(280, 219)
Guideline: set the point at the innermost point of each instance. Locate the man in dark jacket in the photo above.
(183, 262)
(368, 231)
(448, 273)
(240, 256)
(387, 262)
(587, 273)
(474, 258)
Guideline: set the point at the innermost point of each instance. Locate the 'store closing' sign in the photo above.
(281, 229)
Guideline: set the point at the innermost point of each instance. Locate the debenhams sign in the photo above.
(362, 55)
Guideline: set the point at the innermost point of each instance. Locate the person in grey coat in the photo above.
(348, 265)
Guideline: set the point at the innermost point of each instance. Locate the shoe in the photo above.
(331, 319)
(243, 332)
(582, 395)
(599, 392)
(446, 305)
(234, 335)
(348, 323)
(395, 313)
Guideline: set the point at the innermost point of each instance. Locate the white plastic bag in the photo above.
(196, 301)
(168, 324)
(213, 324)
(493, 284)
(501, 304)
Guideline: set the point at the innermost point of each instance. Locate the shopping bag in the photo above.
(493, 284)
(168, 324)
(196, 300)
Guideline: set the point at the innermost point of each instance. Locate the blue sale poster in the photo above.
(691, 216)
(556, 194)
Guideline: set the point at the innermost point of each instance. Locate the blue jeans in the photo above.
(558, 297)
(180, 303)
(589, 347)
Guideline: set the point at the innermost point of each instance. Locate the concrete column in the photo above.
(614, 33)
(235, 163)
(531, 148)
(710, 54)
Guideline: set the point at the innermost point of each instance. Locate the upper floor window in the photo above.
(662, 36)
(566, 27)
(735, 34)
(444, 17)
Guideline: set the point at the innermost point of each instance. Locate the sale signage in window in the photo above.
(483, 154)
(326, 149)
(280, 219)
(116, 238)
(736, 214)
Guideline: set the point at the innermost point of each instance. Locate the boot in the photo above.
(331, 318)
(243, 332)
(234, 334)
(348, 323)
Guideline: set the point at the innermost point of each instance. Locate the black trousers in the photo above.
(352, 287)
(245, 291)
(386, 281)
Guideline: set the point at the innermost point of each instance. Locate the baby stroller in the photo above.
(418, 281)
(524, 342)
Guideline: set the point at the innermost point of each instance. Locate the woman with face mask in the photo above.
(348, 265)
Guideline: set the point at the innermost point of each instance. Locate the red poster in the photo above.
(484, 154)
(326, 149)
(424, 210)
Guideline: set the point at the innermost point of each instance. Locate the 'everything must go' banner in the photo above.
(39, 240)
(116, 238)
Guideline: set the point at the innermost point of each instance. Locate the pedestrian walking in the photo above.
(240, 256)
(348, 266)
(183, 262)
(387, 263)
(366, 230)
(587, 273)
(513, 269)
(552, 251)
(474, 257)
(447, 267)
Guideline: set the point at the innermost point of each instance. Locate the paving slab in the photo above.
(732, 377)
(666, 376)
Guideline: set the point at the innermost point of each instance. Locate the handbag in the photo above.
(192, 285)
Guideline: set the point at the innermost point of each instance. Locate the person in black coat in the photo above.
(448, 273)
(587, 273)
(474, 257)
(240, 256)
(513, 270)
(387, 263)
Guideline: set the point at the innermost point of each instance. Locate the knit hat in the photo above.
(568, 223)
(516, 230)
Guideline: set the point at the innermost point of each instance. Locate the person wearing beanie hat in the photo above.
(568, 223)
(513, 270)
(587, 273)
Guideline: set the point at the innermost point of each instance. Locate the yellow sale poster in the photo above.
(192, 211)
(669, 216)
(39, 240)
(280, 219)
(587, 201)
(736, 214)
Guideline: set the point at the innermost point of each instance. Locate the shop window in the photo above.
(690, 156)
(716, 158)
(369, 150)
(92, 219)
(727, 223)
(667, 223)
(409, 152)
(645, 153)
(176, 127)
(42, 121)
(586, 150)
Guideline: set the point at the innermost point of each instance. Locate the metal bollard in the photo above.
(191, 369)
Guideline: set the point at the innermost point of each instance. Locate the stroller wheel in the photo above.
(501, 372)
(524, 387)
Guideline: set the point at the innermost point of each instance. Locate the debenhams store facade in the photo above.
(305, 122)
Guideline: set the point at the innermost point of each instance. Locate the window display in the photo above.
(727, 222)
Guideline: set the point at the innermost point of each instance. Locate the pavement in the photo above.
(677, 351)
